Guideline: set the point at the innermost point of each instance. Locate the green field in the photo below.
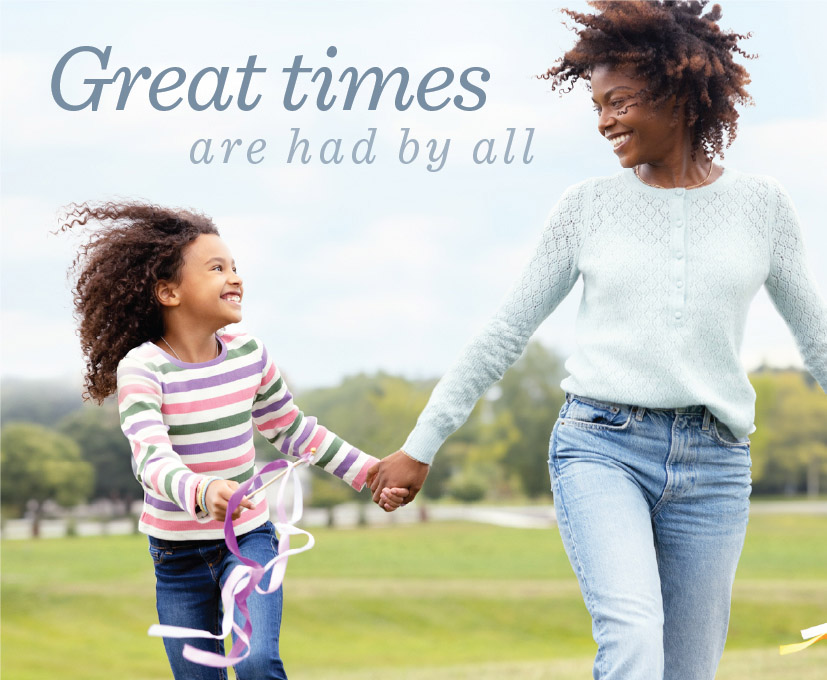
(435, 601)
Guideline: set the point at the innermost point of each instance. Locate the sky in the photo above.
(350, 267)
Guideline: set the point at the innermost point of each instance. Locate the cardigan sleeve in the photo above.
(546, 280)
(155, 463)
(793, 289)
(292, 433)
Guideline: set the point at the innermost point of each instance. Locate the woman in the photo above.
(649, 458)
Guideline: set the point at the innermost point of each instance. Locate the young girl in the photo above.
(154, 289)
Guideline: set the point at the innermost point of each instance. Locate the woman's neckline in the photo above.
(222, 354)
(721, 183)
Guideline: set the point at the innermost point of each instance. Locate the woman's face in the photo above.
(638, 132)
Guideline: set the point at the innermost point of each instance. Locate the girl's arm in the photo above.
(155, 463)
(292, 433)
(793, 289)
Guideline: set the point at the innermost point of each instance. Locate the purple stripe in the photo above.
(210, 380)
(182, 488)
(272, 407)
(137, 427)
(349, 460)
(264, 359)
(213, 446)
(161, 505)
(288, 443)
(311, 425)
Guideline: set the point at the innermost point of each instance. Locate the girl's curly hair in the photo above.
(677, 49)
(115, 273)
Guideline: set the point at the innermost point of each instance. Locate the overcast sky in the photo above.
(351, 267)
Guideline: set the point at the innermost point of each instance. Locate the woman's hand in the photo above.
(218, 497)
(397, 471)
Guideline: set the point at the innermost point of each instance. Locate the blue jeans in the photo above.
(189, 576)
(652, 506)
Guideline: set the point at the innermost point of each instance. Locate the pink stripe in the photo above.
(153, 479)
(359, 481)
(126, 390)
(224, 464)
(280, 422)
(156, 439)
(318, 439)
(181, 526)
(267, 378)
(207, 404)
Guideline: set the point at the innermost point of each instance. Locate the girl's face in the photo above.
(638, 132)
(210, 289)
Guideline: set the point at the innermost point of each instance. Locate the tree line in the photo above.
(55, 447)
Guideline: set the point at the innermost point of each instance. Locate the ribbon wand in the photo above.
(810, 635)
(301, 461)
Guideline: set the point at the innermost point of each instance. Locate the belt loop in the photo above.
(641, 411)
(707, 418)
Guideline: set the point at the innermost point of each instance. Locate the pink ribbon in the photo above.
(245, 577)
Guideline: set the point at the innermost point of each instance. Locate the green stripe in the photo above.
(168, 485)
(274, 388)
(149, 451)
(210, 425)
(244, 476)
(163, 368)
(294, 425)
(331, 451)
(168, 482)
(137, 408)
(247, 348)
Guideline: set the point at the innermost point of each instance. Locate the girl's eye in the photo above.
(218, 267)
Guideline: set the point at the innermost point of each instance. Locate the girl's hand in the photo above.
(391, 499)
(218, 497)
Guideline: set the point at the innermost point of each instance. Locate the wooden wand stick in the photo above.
(281, 474)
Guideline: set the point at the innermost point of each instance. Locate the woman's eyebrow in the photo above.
(609, 93)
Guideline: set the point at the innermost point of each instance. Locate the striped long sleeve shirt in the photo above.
(189, 421)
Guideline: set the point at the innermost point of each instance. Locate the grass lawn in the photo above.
(433, 601)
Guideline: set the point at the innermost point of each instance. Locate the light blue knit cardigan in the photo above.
(668, 276)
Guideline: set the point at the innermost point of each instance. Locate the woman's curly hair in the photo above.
(115, 274)
(676, 49)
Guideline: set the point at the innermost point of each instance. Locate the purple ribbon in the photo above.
(245, 578)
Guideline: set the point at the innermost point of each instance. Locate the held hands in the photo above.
(218, 496)
(396, 480)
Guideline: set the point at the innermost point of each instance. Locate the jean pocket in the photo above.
(592, 415)
(723, 435)
(157, 554)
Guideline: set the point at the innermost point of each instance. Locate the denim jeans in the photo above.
(189, 576)
(652, 506)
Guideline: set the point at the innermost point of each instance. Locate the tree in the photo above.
(97, 431)
(40, 464)
(38, 401)
(371, 412)
(789, 446)
(530, 391)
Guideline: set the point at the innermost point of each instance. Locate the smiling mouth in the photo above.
(619, 140)
(232, 297)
